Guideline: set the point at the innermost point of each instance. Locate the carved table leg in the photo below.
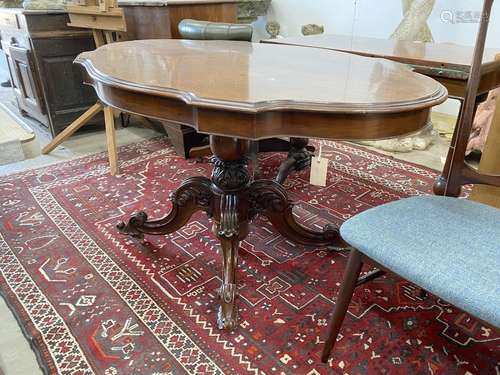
(231, 200)
(193, 195)
(270, 199)
(230, 231)
(299, 157)
(230, 178)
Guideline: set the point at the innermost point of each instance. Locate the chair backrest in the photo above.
(204, 30)
(459, 170)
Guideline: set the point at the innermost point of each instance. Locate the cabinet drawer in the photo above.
(9, 21)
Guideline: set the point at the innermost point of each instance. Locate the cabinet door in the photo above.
(65, 94)
(25, 86)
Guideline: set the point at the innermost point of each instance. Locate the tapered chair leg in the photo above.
(351, 276)
(109, 122)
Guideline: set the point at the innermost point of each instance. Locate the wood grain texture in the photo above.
(257, 91)
(442, 55)
(256, 78)
(448, 63)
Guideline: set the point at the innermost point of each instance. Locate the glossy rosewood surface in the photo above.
(254, 77)
(256, 91)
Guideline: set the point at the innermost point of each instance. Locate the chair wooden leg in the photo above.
(75, 125)
(109, 122)
(351, 276)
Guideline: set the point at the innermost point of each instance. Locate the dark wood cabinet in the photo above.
(26, 88)
(40, 50)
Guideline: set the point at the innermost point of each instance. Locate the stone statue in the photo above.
(413, 28)
(47, 4)
(414, 25)
(312, 29)
(10, 3)
(250, 10)
(273, 29)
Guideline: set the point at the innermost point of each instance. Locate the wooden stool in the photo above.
(104, 18)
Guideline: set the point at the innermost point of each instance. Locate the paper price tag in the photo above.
(319, 170)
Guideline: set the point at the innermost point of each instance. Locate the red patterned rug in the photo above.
(94, 301)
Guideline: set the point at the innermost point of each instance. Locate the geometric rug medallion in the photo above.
(95, 301)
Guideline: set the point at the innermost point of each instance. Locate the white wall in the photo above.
(378, 18)
(375, 18)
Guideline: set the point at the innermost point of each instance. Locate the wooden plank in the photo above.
(98, 38)
(77, 124)
(109, 122)
(94, 10)
(102, 22)
(94, 17)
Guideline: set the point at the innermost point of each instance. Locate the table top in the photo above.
(257, 91)
(256, 77)
(441, 55)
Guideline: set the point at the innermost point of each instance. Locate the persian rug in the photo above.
(94, 301)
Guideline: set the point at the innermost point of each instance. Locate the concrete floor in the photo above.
(16, 357)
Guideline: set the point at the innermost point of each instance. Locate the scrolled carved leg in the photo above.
(229, 237)
(270, 199)
(230, 178)
(195, 194)
(229, 232)
(299, 157)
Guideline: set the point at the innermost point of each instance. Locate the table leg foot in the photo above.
(193, 195)
(270, 199)
(299, 157)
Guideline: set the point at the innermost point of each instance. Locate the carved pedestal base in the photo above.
(232, 200)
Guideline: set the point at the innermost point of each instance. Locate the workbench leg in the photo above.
(109, 122)
(75, 125)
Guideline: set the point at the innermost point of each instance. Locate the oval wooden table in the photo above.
(238, 92)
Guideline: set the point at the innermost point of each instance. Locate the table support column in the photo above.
(231, 200)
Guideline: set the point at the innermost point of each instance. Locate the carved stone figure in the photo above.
(413, 28)
(273, 29)
(414, 25)
(10, 3)
(45, 4)
(250, 10)
(312, 29)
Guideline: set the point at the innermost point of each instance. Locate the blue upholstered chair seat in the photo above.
(448, 246)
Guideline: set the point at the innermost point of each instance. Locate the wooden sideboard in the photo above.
(40, 49)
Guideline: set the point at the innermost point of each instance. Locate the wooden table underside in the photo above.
(242, 111)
